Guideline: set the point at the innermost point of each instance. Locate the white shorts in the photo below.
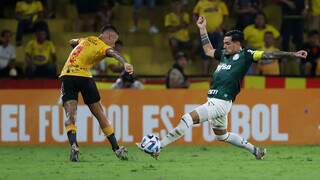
(216, 112)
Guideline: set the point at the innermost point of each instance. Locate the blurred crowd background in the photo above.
(159, 37)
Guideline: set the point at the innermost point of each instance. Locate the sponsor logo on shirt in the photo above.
(223, 67)
(213, 91)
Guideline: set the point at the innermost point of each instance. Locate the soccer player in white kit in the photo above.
(234, 63)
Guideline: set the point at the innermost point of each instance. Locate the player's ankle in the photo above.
(113, 141)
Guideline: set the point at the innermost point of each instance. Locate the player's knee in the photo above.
(222, 137)
(187, 119)
(70, 120)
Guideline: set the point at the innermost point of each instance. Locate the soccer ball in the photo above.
(150, 144)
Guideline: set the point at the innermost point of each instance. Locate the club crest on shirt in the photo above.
(235, 57)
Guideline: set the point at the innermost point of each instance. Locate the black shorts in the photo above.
(72, 85)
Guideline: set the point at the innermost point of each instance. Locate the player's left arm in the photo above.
(262, 55)
(127, 67)
(281, 54)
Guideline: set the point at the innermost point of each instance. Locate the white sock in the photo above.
(236, 140)
(176, 133)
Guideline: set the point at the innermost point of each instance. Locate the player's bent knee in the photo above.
(187, 119)
(223, 137)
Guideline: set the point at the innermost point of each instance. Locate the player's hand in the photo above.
(201, 22)
(128, 68)
(301, 54)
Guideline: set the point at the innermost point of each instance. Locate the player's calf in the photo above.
(72, 137)
(71, 130)
(107, 129)
(238, 141)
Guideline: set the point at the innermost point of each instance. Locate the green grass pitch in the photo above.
(176, 162)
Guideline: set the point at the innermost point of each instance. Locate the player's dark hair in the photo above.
(4, 32)
(312, 33)
(109, 27)
(236, 36)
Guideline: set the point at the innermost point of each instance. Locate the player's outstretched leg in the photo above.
(187, 120)
(176, 133)
(97, 110)
(71, 109)
(179, 131)
(236, 140)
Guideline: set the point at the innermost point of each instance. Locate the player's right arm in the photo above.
(281, 54)
(206, 44)
(113, 53)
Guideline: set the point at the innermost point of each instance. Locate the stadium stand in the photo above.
(149, 53)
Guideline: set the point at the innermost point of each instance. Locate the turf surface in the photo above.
(176, 162)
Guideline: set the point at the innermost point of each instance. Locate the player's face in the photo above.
(230, 46)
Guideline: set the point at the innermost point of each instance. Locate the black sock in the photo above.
(113, 141)
(72, 136)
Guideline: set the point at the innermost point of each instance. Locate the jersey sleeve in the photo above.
(253, 55)
(217, 54)
(80, 39)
